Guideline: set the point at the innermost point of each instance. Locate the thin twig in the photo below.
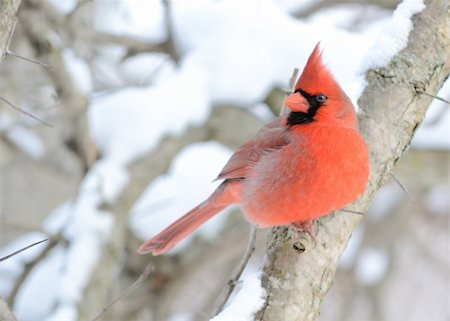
(37, 62)
(237, 273)
(148, 269)
(23, 111)
(351, 212)
(21, 250)
(434, 96)
(30, 266)
(292, 80)
(403, 187)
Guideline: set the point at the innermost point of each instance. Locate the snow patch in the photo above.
(39, 291)
(394, 36)
(246, 303)
(79, 70)
(27, 141)
(187, 183)
(11, 268)
(64, 6)
(139, 19)
(169, 107)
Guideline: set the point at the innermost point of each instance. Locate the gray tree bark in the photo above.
(8, 20)
(392, 107)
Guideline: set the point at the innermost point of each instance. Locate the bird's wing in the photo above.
(271, 137)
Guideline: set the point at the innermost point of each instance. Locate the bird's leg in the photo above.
(299, 228)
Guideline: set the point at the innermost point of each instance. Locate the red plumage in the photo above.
(297, 168)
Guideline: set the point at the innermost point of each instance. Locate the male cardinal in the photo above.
(297, 168)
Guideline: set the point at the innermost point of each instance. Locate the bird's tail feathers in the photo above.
(169, 237)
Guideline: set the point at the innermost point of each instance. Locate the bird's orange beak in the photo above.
(297, 102)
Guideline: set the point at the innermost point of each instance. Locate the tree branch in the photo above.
(326, 4)
(21, 250)
(8, 20)
(28, 268)
(391, 111)
(148, 269)
(5, 313)
(233, 281)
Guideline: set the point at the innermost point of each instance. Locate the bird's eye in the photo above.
(321, 98)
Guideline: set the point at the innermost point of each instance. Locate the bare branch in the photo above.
(435, 97)
(237, 273)
(21, 250)
(10, 53)
(403, 187)
(351, 212)
(23, 111)
(30, 266)
(316, 6)
(292, 80)
(170, 43)
(149, 269)
(5, 312)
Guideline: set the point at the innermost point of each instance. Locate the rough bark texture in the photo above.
(391, 110)
(8, 20)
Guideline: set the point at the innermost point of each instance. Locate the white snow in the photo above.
(137, 18)
(394, 36)
(11, 268)
(108, 178)
(187, 183)
(128, 123)
(60, 278)
(144, 69)
(38, 293)
(79, 70)
(371, 266)
(265, 41)
(27, 141)
(64, 6)
(246, 303)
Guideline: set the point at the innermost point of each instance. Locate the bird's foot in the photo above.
(298, 238)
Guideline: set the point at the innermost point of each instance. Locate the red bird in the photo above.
(297, 168)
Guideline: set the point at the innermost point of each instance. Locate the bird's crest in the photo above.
(316, 77)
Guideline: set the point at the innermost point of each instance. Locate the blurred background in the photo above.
(143, 102)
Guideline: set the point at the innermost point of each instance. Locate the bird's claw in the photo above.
(299, 229)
